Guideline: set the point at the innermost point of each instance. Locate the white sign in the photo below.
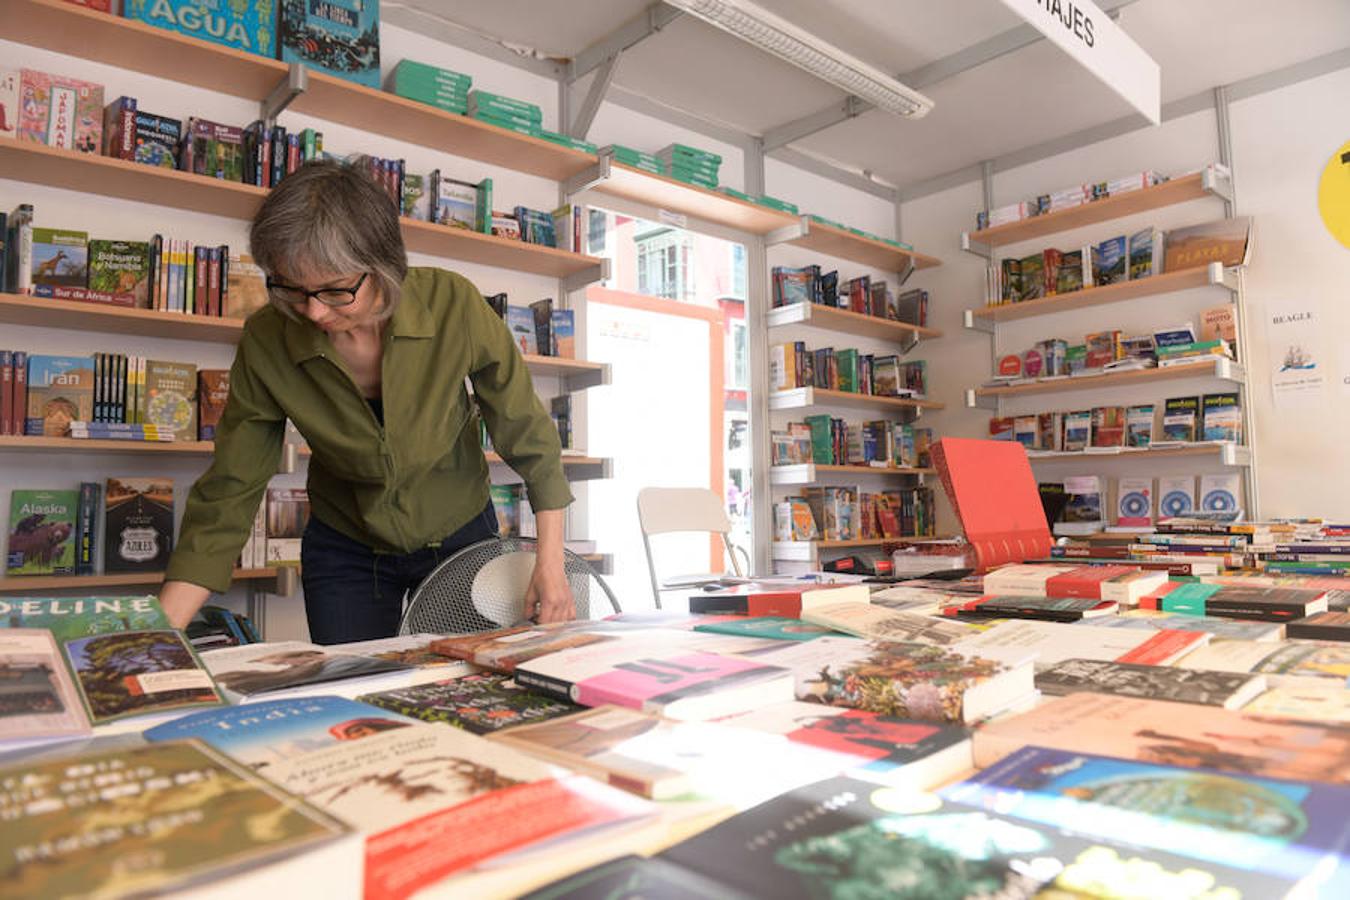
(1087, 34)
(1298, 359)
(666, 217)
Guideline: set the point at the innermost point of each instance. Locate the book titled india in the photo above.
(482, 703)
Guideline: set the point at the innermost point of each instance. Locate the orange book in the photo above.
(994, 496)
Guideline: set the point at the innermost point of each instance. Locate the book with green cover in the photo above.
(41, 532)
(480, 704)
(121, 267)
(771, 627)
(170, 398)
(146, 820)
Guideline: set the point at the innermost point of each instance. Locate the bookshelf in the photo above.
(1220, 368)
(74, 445)
(22, 584)
(1224, 453)
(806, 398)
(810, 551)
(813, 473)
(845, 321)
(840, 242)
(617, 180)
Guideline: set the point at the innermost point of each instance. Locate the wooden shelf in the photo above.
(1166, 283)
(619, 180)
(1226, 453)
(72, 315)
(810, 473)
(136, 46)
(22, 584)
(846, 321)
(1224, 369)
(125, 180)
(74, 445)
(809, 551)
(845, 244)
(801, 398)
(1178, 190)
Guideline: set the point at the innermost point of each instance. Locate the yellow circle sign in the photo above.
(1333, 195)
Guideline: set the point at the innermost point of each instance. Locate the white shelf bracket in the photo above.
(589, 275)
(793, 232)
(579, 381)
(589, 178)
(977, 323)
(976, 247)
(295, 84)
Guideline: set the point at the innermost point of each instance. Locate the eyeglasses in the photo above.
(295, 296)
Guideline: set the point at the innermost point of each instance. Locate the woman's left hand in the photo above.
(549, 596)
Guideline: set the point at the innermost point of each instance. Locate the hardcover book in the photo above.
(1230, 690)
(138, 524)
(41, 532)
(163, 806)
(336, 37)
(60, 112)
(1286, 829)
(480, 703)
(38, 696)
(261, 734)
(1178, 734)
(254, 669)
(248, 25)
(125, 658)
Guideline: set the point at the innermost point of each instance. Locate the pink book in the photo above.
(60, 112)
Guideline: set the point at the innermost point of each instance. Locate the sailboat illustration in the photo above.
(1297, 358)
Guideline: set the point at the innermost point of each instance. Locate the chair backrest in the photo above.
(664, 510)
(482, 588)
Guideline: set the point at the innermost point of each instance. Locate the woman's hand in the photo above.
(549, 596)
(180, 601)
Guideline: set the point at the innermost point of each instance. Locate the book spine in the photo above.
(201, 291)
(19, 424)
(84, 529)
(100, 369)
(224, 304)
(23, 257)
(122, 360)
(556, 688)
(213, 282)
(6, 392)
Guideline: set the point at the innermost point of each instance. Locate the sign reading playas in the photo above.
(1087, 34)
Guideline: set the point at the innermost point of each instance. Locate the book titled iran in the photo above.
(146, 820)
(124, 656)
(659, 677)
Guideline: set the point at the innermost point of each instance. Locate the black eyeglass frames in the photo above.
(294, 296)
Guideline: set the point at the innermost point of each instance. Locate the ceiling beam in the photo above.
(630, 33)
(594, 97)
(963, 60)
(437, 28)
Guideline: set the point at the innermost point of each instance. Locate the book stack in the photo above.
(434, 86)
(636, 159)
(690, 165)
(505, 112)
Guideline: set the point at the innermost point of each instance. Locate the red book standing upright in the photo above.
(995, 498)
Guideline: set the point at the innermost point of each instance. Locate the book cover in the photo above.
(1134, 502)
(1110, 261)
(125, 658)
(407, 649)
(1180, 418)
(336, 37)
(564, 333)
(41, 532)
(503, 649)
(520, 320)
(1304, 702)
(1286, 829)
(1229, 690)
(1225, 241)
(1176, 495)
(1178, 734)
(1285, 664)
(262, 668)
(157, 139)
(1222, 417)
(246, 287)
(480, 703)
(776, 628)
(1054, 642)
(1108, 426)
(879, 623)
(121, 267)
(844, 837)
(1333, 625)
(633, 876)
(543, 326)
(60, 258)
(1146, 253)
(261, 734)
(1228, 629)
(60, 112)
(9, 106)
(170, 398)
(1139, 425)
(1048, 609)
(248, 25)
(1077, 430)
(37, 696)
(183, 812)
(1221, 492)
(138, 524)
(213, 389)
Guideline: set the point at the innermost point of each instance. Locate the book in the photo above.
(462, 204)
(248, 25)
(563, 326)
(993, 494)
(1305, 702)
(60, 112)
(37, 696)
(157, 139)
(502, 649)
(211, 149)
(287, 516)
(138, 525)
(124, 657)
(246, 287)
(1230, 690)
(1181, 734)
(338, 37)
(1146, 253)
(1203, 814)
(1176, 496)
(1284, 664)
(1021, 580)
(844, 837)
(786, 600)
(1221, 492)
(1053, 642)
(1122, 584)
(657, 676)
(907, 680)
(262, 734)
(41, 532)
(1221, 417)
(1260, 603)
(437, 801)
(1180, 419)
(1049, 609)
(1077, 430)
(1084, 508)
(881, 624)
(542, 311)
(1139, 425)
(480, 703)
(254, 669)
(161, 805)
(1227, 629)
(631, 876)
(170, 398)
(1227, 241)
(521, 321)
(776, 628)
(1110, 261)
(213, 389)
(1219, 323)
(1333, 625)
(60, 258)
(9, 111)
(1134, 503)
(1108, 426)
(120, 268)
(409, 650)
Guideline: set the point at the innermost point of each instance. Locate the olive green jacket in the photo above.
(395, 488)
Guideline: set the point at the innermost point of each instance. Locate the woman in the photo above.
(368, 358)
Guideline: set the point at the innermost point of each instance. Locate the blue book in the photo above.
(336, 37)
(1288, 829)
(258, 734)
(248, 25)
(520, 320)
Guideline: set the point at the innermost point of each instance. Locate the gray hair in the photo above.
(332, 217)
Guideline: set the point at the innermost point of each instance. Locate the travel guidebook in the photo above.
(849, 838)
(504, 649)
(260, 734)
(1231, 690)
(1287, 829)
(262, 668)
(41, 532)
(37, 696)
(124, 656)
(161, 818)
(138, 524)
(407, 649)
(481, 703)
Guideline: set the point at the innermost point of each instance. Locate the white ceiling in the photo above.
(1021, 99)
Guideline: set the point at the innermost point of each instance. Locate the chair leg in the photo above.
(651, 571)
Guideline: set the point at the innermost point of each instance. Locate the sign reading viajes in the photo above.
(1081, 29)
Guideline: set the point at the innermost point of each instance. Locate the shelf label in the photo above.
(1081, 29)
(667, 217)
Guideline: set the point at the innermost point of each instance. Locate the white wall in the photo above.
(1281, 140)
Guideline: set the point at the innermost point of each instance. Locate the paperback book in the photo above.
(255, 669)
(481, 703)
(60, 391)
(1207, 687)
(138, 524)
(41, 532)
(37, 696)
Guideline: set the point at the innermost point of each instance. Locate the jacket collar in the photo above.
(411, 319)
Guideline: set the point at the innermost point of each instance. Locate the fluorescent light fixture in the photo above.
(789, 43)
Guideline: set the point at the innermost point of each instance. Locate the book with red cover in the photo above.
(1084, 582)
(1050, 609)
(783, 601)
(995, 498)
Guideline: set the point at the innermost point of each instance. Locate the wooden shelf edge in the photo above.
(1164, 283)
(18, 584)
(846, 320)
(1109, 379)
(25, 442)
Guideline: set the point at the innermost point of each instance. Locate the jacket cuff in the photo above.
(552, 493)
(201, 569)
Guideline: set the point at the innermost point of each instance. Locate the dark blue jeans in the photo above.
(353, 593)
